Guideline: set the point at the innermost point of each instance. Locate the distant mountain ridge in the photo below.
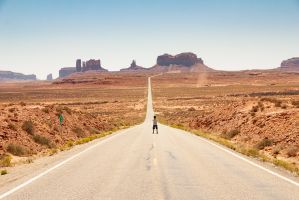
(9, 75)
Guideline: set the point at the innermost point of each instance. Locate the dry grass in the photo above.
(5, 160)
(42, 140)
(28, 126)
(17, 150)
(266, 142)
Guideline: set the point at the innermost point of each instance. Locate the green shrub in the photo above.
(41, 140)
(4, 172)
(17, 150)
(5, 160)
(28, 127)
(264, 143)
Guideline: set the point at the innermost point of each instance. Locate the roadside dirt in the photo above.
(258, 110)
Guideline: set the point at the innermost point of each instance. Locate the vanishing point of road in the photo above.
(138, 165)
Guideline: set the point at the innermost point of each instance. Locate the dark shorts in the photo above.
(155, 127)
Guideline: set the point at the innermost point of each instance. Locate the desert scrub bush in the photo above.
(28, 127)
(11, 110)
(53, 151)
(292, 151)
(93, 131)
(17, 149)
(22, 103)
(42, 140)
(4, 172)
(266, 142)
(5, 160)
(254, 109)
(12, 127)
(68, 110)
(79, 132)
(46, 110)
(261, 106)
(230, 134)
(295, 104)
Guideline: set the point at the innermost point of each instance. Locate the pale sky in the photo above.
(41, 36)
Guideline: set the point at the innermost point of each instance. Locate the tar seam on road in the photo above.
(59, 165)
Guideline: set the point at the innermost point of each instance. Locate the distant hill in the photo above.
(8, 75)
(181, 62)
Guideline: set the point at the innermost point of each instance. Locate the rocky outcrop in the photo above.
(49, 77)
(184, 62)
(184, 59)
(78, 65)
(8, 75)
(133, 67)
(66, 71)
(92, 64)
(291, 64)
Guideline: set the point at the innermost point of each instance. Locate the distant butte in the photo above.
(133, 67)
(291, 64)
(182, 62)
(90, 65)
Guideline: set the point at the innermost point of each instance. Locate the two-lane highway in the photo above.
(137, 164)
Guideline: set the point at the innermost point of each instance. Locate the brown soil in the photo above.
(88, 108)
(254, 109)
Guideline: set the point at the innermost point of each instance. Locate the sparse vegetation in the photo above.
(12, 126)
(46, 110)
(292, 151)
(5, 160)
(3, 172)
(42, 140)
(295, 104)
(17, 150)
(79, 132)
(230, 134)
(22, 103)
(28, 127)
(264, 143)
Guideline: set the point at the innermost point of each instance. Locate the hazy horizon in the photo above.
(40, 37)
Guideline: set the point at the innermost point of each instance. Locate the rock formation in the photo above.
(8, 75)
(84, 66)
(184, 59)
(291, 64)
(49, 77)
(66, 71)
(181, 62)
(133, 67)
(92, 64)
(78, 65)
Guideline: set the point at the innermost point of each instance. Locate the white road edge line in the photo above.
(245, 159)
(61, 163)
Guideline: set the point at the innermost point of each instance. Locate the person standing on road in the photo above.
(155, 124)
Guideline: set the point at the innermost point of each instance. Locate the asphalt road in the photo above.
(137, 164)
